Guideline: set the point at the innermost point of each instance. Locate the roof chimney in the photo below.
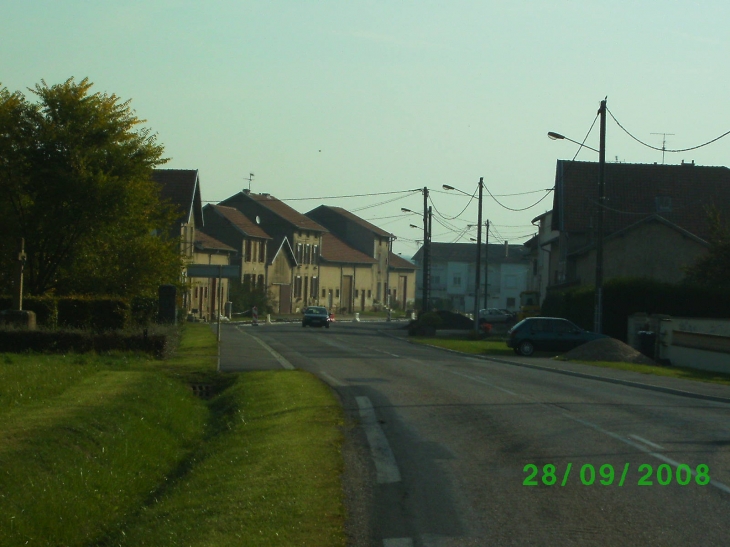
(246, 191)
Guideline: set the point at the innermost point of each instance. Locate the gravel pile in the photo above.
(608, 349)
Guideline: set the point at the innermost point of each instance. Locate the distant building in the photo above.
(453, 272)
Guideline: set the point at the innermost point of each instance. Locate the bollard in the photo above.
(268, 319)
(255, 313)
(357, 317)
(388, 315)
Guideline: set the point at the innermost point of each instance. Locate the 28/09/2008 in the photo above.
(664, 475)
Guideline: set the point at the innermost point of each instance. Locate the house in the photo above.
(249, 240)
(206, 295)
(453, 272)
(655, 219)
(538, 250)
(181, 189)
(346, 276)
(293, 250)
(390, 275)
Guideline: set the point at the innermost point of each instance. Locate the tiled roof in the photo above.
(466, 253)
(679, 193)
(349, 216)
(181, 188)
(282, 210)
(336, 250)
(240, 221)
(399, 263)
(205, 242)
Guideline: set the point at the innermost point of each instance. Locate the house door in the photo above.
(346, 300)
(284, 298)
(329, 300)
(362, 300)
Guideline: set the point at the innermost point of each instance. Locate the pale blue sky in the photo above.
(396, 95)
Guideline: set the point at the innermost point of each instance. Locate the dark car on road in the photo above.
(547, 334)
(316, 316)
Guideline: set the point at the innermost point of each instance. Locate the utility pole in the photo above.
(598, 305)
(479, 258)
(426, 250)
(486, 265)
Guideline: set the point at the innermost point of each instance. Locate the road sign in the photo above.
(214, 270)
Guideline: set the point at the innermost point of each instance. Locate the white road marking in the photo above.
(646, 442)
(331, 380)
(398, 542)
(642, 448)
(386, 467)
(282, 361)
(386, 352)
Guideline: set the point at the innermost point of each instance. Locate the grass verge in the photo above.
(474, 347)
(110, 450)
(658, 370)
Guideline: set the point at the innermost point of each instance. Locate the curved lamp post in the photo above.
(598, 305)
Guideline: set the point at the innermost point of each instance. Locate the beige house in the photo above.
(207, 295)
(392, 280)
(347, 277)
(295, 242)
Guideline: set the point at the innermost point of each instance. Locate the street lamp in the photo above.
(479, 245)
(598, 304)
(426, 249)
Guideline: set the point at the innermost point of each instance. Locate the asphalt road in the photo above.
(440, 446)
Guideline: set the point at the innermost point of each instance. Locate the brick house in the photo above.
(655, 219)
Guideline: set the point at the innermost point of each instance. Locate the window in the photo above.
(308, 254)
(357, 293)
(262, 251)
(457, 281)
(260, 282)
(324, 293)
(196, 292)
(247, 250)
(247, 281)
(369, 293)
(337, 293)
(314, 288)
(298, 286)
(299, 253)
(315, 254)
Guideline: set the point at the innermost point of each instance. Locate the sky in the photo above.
(343, 98)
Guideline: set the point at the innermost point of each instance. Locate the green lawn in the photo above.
(673, 372)
(116, 450)
(476, 347)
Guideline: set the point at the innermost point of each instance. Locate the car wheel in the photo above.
(526, 348)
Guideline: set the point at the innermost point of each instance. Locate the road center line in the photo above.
(386, 467)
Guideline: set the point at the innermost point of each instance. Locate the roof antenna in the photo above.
(249, 179)
(664, 143)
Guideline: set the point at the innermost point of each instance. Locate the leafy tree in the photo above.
(244, 298)
(75, 182)
(711, 269)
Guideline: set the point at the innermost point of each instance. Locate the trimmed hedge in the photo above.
(63, 341)
(101, 314)
(44, 307)
(625, 296)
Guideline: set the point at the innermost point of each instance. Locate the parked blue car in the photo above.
(547, 334)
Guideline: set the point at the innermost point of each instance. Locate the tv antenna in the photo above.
(249, 179)
(664, 143)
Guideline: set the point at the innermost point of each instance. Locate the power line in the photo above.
(665, 149)
(331, 197)
(547, 193)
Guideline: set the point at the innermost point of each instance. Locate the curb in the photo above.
(669, 390)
